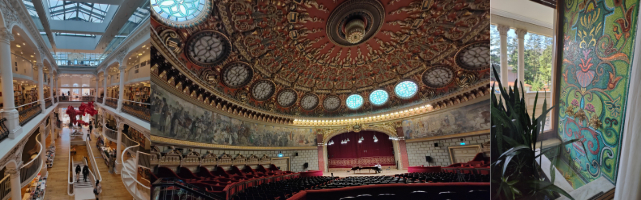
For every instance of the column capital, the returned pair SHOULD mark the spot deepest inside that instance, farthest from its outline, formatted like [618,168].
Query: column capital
[12,171]
[503,29]
[521,33]
[5,35]
[39,65]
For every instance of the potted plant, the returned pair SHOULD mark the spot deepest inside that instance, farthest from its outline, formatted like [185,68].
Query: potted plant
[515,172]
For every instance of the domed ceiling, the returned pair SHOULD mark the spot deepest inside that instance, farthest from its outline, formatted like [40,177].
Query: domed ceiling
[329,57]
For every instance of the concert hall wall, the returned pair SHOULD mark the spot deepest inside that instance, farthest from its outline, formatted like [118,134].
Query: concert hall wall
[469,118]
[173,117]
[368,153]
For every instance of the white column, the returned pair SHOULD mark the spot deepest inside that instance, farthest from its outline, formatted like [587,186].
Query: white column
[15,182]
[521,35]
[41,79]
[121,88]
[43,141]
[51,85]
[9,110]
[121,125]
[504,71]
[104,87]
[95,93]
[629,177]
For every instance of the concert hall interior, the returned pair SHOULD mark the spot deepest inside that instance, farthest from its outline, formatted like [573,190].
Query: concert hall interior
[320,99]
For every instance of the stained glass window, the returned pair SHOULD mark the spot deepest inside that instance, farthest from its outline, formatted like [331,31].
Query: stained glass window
[378,97]
[354,101]
[406,89]
[178,10]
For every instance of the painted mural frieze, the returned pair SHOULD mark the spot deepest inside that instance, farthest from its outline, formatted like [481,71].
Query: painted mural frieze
[173,117]
[598,45]
[469,118]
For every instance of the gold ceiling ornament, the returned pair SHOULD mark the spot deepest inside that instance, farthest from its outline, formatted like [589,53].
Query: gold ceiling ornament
[465,79]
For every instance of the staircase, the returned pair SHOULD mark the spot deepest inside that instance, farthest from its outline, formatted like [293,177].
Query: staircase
[82,190]
[128,171]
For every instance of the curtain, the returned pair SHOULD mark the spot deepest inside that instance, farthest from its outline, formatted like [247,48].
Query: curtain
[365,154]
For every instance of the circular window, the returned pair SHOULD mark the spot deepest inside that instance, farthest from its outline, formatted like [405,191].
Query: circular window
[354,101]
[287,98]
[237,74]
[437,77]
[208,48]
[378,97]
[263,90]
[309,101]
[474,56]
[331,103]
[406,89]
[180,13]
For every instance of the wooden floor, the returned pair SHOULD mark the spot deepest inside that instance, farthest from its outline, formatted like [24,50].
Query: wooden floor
[112,186]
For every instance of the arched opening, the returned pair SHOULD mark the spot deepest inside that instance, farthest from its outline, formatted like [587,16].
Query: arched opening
[364,148]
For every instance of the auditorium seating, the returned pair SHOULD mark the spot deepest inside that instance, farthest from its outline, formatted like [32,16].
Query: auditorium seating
[281,189]
[362,180]
[431,191]
[435,177]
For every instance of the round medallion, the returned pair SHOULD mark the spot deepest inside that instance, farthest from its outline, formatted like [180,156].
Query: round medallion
[208,48]
[474,56]
[237,74]
[309,101]
[180,13]
[406,89]
[354,101]
[331,103]
[263,89]
[354,22]
[438,77]
[287,98]
[378,97]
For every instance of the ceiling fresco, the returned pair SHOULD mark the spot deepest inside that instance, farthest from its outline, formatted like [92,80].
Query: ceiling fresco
[306,57]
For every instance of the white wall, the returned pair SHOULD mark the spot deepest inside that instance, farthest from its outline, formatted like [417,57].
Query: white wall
[416,151]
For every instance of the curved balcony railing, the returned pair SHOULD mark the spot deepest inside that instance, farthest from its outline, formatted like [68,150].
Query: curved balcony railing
[4,131]
[5,187]
[111,102]
[144,159]
[76,98]
[128,142]
[28,111]
[111,134]
[48,102]
[29,170]
[137,109]
[173,188]
[141,190]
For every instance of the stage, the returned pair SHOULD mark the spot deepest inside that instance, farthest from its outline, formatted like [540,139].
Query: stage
[340,172]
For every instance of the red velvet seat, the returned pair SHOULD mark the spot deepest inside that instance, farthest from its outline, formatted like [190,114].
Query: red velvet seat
[186,173]
[204,172]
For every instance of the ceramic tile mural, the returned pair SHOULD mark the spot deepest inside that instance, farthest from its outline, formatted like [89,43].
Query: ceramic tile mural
[597,54]
[175,118]
[470,118]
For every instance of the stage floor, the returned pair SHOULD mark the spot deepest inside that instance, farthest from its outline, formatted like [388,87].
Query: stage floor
[344,173]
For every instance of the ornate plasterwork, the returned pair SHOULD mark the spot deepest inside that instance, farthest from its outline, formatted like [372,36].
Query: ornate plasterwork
[387,128]
[5,35]
[286,42]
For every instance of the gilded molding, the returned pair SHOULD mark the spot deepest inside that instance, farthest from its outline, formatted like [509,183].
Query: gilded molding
[157,140]
[473,133]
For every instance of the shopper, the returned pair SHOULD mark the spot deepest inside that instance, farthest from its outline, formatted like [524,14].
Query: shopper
[85,172]
[78,173]
[98,189]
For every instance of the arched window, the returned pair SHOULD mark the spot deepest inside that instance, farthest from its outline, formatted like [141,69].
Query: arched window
[75,85]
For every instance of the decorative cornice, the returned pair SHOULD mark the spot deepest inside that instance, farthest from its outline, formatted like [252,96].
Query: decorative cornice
[169,141]
[481,132]
[15,13]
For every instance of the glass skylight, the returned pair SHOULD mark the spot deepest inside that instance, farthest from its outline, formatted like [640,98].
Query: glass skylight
[406,89]
[178,10]
[378,97]
[77,11]
[354,101]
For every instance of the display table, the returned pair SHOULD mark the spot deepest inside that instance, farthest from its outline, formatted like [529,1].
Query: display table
[105,155]
[37,188]
[51,154]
